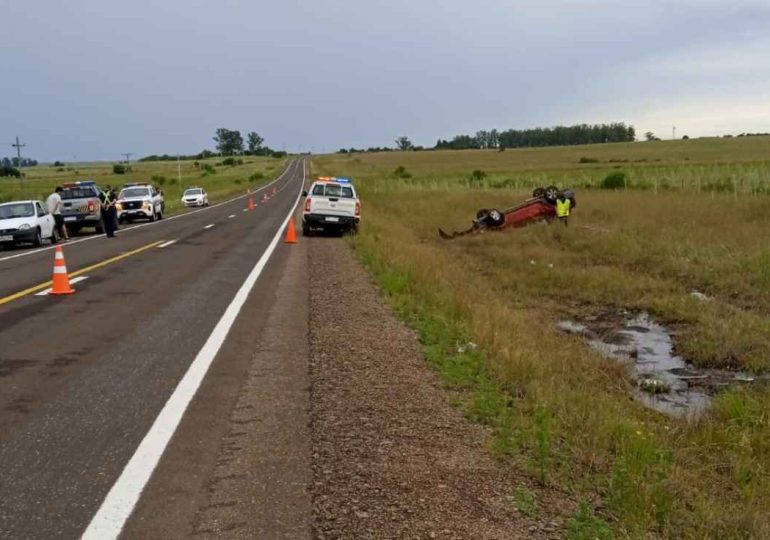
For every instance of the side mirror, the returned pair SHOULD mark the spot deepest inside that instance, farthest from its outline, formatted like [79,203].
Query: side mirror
[304,193]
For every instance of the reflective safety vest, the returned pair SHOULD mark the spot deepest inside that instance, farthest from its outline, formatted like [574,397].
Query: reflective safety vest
[562,207]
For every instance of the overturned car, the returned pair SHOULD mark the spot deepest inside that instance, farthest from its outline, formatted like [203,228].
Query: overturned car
[541,207]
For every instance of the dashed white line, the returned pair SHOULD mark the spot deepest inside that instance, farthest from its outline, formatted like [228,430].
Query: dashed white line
[72,282]
[122,497]
[208,226]
[166,244]
[245,209]
[231,216]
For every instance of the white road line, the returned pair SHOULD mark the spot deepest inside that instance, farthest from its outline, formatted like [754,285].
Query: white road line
[120,501]
[72,282]
[166,244]
[231,216]
[139,226]
[208,226]
[245,209]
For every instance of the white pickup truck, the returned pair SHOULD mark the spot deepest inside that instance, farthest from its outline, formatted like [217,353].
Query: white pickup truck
[331,205]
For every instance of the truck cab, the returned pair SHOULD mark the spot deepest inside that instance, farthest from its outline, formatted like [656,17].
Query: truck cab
[331,205]
[140,201]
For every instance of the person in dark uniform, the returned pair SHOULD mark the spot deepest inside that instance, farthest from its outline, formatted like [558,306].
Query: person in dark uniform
[109,211]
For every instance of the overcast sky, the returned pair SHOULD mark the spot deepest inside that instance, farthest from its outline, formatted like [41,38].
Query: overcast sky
[90,79]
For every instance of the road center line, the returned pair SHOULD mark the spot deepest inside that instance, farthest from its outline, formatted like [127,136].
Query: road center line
[208,226]
[121,499]
[166,244]
[82,271]
[231,216]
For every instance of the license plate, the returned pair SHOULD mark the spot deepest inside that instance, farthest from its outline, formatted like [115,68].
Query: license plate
[6,238]
[332,219]
[71,218]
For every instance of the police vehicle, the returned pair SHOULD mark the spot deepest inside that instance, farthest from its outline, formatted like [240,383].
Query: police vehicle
[81,206]
[331,205]
[140,201]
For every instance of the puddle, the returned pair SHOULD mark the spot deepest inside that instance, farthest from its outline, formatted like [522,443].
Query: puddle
[665,381]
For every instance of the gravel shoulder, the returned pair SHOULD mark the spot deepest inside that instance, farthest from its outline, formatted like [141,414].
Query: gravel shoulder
[392,458]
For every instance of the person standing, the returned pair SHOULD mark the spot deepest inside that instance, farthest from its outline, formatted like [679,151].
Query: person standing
[563,205]
[53,202]
[109,211]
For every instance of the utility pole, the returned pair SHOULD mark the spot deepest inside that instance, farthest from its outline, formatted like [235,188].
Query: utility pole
[18,147]
[179,169]
[128,158]
[673,130]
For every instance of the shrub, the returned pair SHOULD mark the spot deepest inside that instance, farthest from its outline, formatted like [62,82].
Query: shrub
[60,169]
[159,179]
[57,164]
[477,178]
[208,169]
[118,168]
[256,177]
[197,164]
[614,180]
[7,170]
[401,172]
[588,160]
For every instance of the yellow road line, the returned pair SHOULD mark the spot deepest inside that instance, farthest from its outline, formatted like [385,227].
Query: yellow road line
[80,272]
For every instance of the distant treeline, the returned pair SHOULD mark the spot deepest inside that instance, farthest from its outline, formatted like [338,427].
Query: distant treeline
[554,136]
[14,162]
[209,154]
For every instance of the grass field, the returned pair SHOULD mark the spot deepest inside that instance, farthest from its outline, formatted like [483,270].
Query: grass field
[557,407]
[40,181]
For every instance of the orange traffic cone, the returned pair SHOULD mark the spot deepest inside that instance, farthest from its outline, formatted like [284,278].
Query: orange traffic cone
[61,280]
[291,234]
[251,202]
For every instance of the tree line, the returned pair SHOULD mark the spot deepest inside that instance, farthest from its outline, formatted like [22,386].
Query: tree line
[230,142]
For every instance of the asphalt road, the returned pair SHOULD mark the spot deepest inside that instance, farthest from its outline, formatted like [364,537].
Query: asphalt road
[84,377]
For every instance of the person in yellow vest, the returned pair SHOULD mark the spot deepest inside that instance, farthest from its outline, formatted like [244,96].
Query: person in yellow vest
[563,205]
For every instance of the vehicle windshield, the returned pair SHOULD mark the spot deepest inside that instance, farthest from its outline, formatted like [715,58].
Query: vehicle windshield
[333,190]
[192,192]
[78,193]
[16,210]
[134,192]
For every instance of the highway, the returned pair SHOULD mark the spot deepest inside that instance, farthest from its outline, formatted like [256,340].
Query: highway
[86,379]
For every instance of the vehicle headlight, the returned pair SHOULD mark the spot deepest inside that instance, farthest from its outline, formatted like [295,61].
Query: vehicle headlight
[119,206]
[24,226]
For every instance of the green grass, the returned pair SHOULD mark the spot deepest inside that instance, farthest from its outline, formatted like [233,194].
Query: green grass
[557,408]
[225,181]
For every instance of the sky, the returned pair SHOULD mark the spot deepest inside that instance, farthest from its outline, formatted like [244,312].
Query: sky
[89,80]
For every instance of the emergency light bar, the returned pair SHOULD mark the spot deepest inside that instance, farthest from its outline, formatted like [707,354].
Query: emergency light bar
[78,184]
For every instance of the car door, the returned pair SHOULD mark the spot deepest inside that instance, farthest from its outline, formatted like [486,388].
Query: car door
[44,220]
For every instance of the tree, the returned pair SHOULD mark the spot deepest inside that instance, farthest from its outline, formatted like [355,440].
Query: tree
[403,143]
[650,136]
[254,142]
[228,141]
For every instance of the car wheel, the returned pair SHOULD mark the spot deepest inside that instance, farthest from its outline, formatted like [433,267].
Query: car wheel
[38,241]
[538,192]
[55,236]
[153,216]
[160,213]
[551,194]
[305,230]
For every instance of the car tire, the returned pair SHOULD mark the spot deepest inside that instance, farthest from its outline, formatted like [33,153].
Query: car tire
[38,241]
[55,239]
[153,216]
[305,230]
[160,214]
[538,192]
[551,194]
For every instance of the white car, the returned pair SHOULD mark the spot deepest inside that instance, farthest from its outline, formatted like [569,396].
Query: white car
[26,222]
[195,196]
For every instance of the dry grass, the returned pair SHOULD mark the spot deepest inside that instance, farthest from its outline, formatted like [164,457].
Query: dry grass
[567,413]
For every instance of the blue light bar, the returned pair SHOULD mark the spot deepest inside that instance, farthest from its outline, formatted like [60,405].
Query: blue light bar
[342,180]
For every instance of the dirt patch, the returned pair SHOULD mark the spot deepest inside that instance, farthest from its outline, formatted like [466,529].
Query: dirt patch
[391,457]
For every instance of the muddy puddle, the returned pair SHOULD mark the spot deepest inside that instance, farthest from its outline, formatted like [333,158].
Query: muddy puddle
[665,381]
